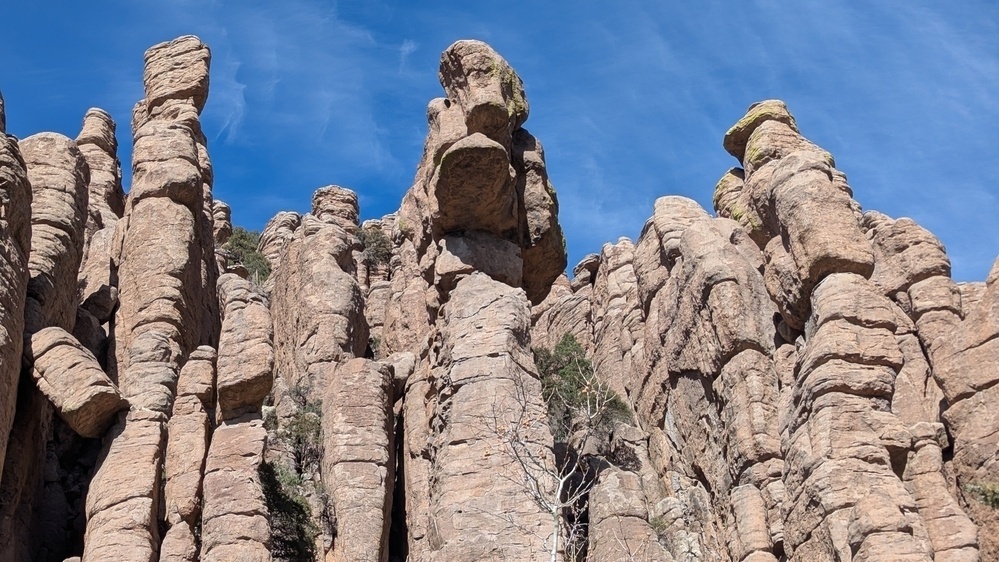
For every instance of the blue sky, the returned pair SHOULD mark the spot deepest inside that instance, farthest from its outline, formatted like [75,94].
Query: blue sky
[630,99]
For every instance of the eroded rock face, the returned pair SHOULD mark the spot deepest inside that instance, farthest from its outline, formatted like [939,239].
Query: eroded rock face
[359,458]
[476,239]
[189,430]
[59,177]
[800,380]
[482,175]
[15,241]
[964,364]
[164,254]
[246,348]
[99,147]
[276,234]
[617,328]
[58,209]
[709,336]
[619,527]
[482,381]
[773,382]
[70,377]
[234,523]
[316,302]
[124,494]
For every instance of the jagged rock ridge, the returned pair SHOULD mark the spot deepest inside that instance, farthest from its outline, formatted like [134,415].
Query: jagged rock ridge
[798,379]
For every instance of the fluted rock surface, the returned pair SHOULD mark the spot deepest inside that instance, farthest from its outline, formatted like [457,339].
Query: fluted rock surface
[15,240]
[234,523]
[246,348]
[359,458]
[479,224]
[189,431]
[792,379]
[484,386]
[58,176]
[316,302]
[166,295]
[70,377]
[99,147]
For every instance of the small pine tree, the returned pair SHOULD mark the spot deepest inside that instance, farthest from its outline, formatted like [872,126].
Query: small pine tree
[377,246]
[575,398]
[242,246]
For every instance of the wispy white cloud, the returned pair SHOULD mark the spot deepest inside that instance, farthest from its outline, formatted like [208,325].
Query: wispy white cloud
[407,48]
[630,105]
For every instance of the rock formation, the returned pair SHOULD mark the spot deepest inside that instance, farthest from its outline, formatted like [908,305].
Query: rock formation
[793,378]
[158,252]
[15,244]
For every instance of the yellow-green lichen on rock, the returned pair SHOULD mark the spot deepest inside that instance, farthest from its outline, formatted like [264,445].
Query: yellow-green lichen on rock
[737,137]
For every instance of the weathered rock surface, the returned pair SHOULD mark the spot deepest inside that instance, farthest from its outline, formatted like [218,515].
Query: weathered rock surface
[798,379]
[235,525]
[277,232]
[965,365]
[59,177]
[484,385]
[359,458]
[316,303]
[617,329]
[124,495]
[246,348]
[99,147]
[15,244]
[619,528]
[70,377]
[188,433]
[164,254]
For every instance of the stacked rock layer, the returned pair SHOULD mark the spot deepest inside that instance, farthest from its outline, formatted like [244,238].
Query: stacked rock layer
[796,379]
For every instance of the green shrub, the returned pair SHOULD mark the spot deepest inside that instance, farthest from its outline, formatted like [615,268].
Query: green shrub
[377,246]
[985,492]
[575,398]
[292,530]
[242,245]
[659,525]
[304,433]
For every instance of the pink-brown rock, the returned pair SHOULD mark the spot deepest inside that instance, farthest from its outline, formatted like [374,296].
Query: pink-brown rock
[123,499]
[489,92]
[235,525]
[359,459]
[59,177]
[177,70]
[768,110]
[246,348]
[99,147]
[15,244]
[542,240]
[71,378]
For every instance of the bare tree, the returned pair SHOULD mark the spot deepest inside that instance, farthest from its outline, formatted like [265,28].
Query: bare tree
[559,484]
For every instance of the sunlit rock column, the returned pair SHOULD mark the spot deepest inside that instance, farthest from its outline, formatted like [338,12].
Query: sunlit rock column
[235,521]
[478,225]
[15,240]
[358,464]
[708,396]
[98,291]
[159,253]
[58,175]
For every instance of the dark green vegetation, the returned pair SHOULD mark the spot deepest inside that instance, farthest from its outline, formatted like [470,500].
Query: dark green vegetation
[287,486]
[242,246]
[986,492]
[292,529]
[377,246]
[576,399]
